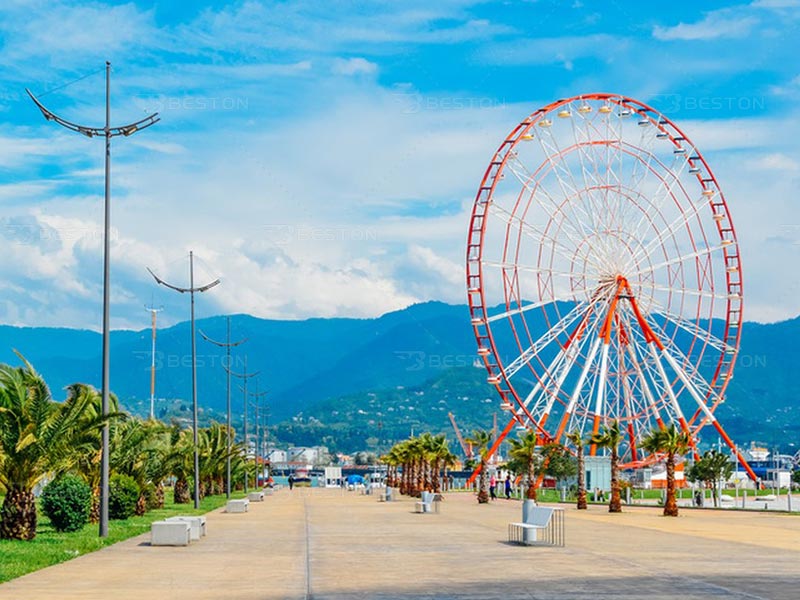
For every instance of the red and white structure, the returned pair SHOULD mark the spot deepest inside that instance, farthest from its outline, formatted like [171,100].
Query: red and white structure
[603,275]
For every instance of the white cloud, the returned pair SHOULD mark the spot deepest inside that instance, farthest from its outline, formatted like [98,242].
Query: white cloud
[714,25]
[354,66]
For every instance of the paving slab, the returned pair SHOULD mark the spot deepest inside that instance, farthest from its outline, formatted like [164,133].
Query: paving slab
[332,544]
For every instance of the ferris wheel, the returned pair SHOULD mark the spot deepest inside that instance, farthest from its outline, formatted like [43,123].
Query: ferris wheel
[603,275]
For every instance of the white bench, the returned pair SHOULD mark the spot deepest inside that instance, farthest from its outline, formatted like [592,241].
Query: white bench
[255,496]
[197,525]
[170,533]
[237,506]
[429,502]
[544,526]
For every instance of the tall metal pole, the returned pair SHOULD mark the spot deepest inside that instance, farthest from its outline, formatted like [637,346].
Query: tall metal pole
[153,312]
[104,460]
[191,289]
[244,376]
[258,441]
[227,345]
[107,132]
[194,388]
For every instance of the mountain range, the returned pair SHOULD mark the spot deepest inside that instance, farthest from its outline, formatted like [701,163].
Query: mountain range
[325,369]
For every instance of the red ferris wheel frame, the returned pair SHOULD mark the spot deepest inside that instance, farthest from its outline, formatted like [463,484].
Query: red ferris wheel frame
[500,372]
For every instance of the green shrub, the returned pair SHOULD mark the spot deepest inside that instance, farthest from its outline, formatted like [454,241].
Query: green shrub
[67,501]
[123,493]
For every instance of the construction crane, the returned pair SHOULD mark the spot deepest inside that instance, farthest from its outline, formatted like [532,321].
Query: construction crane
[467,448]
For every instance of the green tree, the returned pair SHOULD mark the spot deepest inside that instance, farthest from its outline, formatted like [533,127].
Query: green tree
[610,437]
[672,442]
[559,463]
[576,437]
[526,459]
[38,437]
[480,443]
[712,468]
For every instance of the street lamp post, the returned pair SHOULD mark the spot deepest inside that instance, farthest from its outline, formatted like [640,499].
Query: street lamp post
[191,289]
[257,395]
[244,377]
[107,132]
[227,345]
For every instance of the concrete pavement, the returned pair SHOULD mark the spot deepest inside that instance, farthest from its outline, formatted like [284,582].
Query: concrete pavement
[331,544]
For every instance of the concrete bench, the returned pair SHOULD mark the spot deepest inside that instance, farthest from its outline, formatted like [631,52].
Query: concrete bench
[540,527]
[429,502]
[197,525]
[255,496]
[237,506]
[170,533]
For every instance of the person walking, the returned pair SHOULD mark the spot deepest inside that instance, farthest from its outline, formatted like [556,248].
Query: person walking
[508,487]
[493,487]
[291,482]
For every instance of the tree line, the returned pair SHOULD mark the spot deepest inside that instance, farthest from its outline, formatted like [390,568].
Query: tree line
[43,440]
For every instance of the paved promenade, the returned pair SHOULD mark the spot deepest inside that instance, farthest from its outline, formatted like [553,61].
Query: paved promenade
[330,544]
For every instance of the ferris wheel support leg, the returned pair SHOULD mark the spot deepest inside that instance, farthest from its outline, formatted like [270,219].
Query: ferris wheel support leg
[494,448]
[707,411]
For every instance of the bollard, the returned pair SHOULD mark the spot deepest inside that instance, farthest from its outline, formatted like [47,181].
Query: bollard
[628,496]
[744,497]
[789,499]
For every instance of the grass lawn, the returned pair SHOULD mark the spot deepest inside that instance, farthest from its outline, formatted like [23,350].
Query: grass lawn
[49,547]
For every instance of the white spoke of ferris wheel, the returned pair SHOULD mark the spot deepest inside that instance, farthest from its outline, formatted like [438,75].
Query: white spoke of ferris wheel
[557,169]
[601,387]
[549,336]
[644,386]
[523,309]
[690,327]
[570,356]
[580,142]
[589,156]
[584,372]
[676,407]
[579,192]
[647,150]
[688,292]
[508,266]
[532,232]
[689,386]
[514,164]
[663,193]
[683,217]
[699,382]
[675,261]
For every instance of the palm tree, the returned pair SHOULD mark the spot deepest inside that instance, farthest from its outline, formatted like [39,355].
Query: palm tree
[180,459]
[480,442]
[610,437]
[672,442]
[38,438]
[87,465]
[139,449]
[576,437]
[523,451]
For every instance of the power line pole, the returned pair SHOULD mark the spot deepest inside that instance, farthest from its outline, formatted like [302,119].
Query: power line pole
[227,345]
[107,132]
[191,289]
[153,312]
[244,377]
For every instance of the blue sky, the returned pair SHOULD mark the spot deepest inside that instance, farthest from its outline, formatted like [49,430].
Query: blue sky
[322,158]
